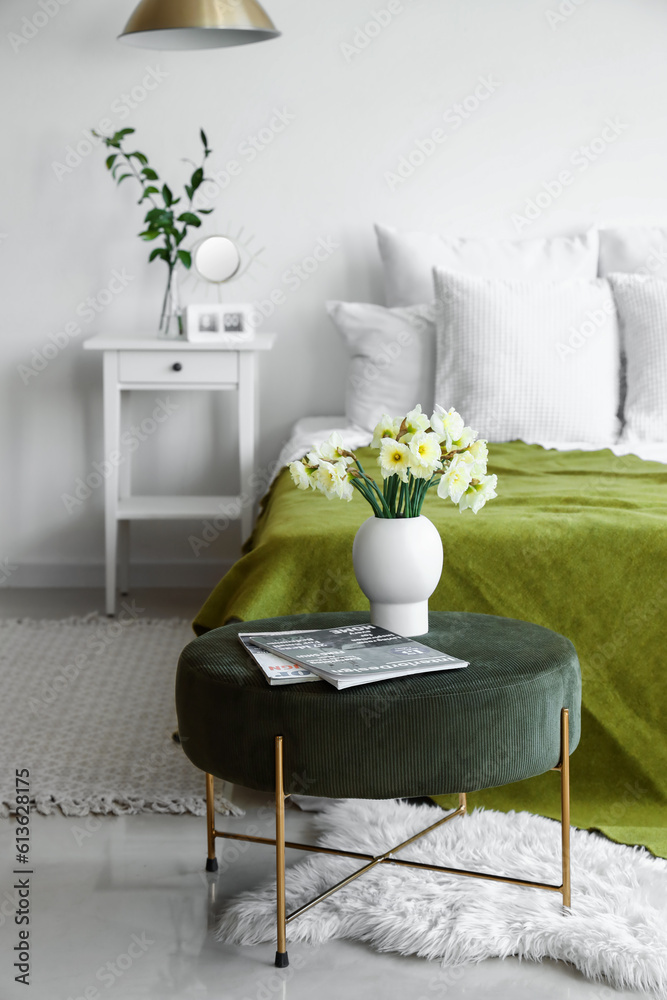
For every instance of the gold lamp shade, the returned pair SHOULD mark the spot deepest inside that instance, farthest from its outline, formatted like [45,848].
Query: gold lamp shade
[197,24]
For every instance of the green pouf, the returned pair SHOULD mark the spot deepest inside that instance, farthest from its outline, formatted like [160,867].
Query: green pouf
[495,722]
[624,808]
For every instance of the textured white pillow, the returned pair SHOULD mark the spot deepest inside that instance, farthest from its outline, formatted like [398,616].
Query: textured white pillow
[642,308]
[532,360]
[409,259]
[392,359]
[634,250]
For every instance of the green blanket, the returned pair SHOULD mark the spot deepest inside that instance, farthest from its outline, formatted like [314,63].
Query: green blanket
[576,541]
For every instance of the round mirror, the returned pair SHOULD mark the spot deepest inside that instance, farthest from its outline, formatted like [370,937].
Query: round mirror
[216,259]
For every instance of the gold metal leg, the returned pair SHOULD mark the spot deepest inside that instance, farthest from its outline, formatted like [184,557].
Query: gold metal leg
[565,801]
[211,860]
[282,960]
[379,859]
[283,918]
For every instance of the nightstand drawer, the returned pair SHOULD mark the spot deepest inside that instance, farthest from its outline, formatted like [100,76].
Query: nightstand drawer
[172,367]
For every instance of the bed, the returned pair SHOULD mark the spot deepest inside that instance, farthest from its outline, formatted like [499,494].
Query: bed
[556,350]
[575,541]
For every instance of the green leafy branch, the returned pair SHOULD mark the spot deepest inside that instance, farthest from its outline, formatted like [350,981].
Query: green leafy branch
[163,219]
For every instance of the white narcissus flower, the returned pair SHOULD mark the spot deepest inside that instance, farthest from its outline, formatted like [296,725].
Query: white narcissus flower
[480,454]
[330,449]
[467,438]
[424,454]
[325,479]
[332,480]
[300,477]
[456,480]
[386,428]
[415,421]
[447,423]
[476,496]
[394,459]
[345,488]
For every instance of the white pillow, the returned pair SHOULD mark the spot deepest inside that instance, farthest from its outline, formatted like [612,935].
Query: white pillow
[532,360]
[409,259]
[392,359]
[641,301]
[634,250]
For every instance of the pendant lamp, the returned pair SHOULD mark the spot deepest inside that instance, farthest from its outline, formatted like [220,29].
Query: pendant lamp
[197,24]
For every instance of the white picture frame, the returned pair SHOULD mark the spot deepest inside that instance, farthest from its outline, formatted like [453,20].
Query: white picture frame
[218,323]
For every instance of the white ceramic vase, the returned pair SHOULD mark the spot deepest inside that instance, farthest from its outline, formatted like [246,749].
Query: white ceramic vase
[398,562]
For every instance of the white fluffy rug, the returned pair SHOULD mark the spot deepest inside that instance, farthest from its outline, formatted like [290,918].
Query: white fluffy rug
[88,706]
[616,930]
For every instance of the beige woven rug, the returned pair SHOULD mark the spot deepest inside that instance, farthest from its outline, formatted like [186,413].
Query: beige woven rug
[87,705]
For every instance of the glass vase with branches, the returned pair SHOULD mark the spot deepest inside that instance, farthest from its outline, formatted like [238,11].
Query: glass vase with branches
[163,220]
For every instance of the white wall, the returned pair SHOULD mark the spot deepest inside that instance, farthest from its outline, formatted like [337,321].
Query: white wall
[355,114]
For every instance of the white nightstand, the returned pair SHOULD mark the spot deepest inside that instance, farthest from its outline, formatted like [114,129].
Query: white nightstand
[149,363]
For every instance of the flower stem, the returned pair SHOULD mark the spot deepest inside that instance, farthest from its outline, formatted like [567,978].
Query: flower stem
[390,490]
[406,497]
[166,297]
[361,486]
[373,486]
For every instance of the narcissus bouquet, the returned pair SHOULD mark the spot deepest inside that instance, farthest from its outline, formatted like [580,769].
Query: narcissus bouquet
[416,454]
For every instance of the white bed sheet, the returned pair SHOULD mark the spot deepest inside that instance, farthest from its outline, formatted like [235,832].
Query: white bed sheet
[313,430]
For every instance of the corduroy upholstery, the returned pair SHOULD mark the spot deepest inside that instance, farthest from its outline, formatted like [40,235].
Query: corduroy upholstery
[494,722]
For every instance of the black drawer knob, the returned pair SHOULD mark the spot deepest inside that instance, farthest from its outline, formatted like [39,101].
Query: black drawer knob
[177,366]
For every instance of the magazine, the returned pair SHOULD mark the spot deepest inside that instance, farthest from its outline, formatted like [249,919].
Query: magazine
[355,654]
[276,669]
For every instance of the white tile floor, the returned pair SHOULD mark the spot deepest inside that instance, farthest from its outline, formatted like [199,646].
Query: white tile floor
[104,888]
